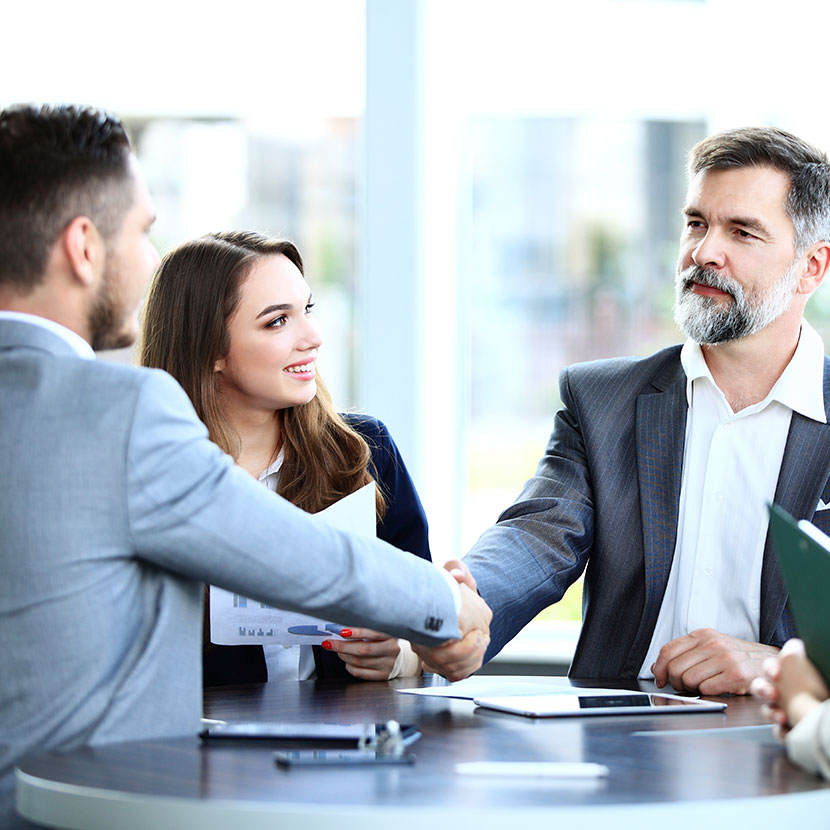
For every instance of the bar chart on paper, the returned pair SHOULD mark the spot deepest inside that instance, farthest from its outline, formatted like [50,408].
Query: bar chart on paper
[237,619]
[240,601]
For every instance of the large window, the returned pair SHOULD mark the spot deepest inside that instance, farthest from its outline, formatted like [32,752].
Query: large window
[483,191]
[553,139]
[573,224]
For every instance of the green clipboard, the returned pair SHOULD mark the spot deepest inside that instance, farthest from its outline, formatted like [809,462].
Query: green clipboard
[804,556]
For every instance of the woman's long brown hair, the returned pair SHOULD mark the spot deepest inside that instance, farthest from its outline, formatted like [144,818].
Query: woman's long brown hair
[193,294]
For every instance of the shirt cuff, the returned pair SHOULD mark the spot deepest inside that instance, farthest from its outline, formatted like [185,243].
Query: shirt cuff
[808,742]
[456,591]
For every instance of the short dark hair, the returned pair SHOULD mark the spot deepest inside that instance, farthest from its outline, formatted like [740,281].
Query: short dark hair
[808,202]
[57,163]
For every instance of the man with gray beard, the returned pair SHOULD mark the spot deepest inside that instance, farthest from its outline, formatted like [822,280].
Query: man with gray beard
[708,322]
[659,470]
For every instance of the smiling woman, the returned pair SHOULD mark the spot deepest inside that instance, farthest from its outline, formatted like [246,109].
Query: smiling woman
[269,364]
[230,317]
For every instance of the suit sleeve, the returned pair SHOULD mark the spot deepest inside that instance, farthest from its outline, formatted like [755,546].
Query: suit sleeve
[541,543]
[192,511]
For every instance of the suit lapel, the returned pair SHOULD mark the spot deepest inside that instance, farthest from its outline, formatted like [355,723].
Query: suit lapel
[661,430]
[801,483]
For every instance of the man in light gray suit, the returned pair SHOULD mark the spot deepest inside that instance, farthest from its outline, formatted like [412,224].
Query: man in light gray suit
[115,508]
[658,472]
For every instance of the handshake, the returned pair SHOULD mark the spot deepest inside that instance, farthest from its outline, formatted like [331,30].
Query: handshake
[456,659]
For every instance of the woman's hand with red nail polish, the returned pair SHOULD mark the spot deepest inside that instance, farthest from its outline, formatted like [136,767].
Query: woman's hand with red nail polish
[372,655]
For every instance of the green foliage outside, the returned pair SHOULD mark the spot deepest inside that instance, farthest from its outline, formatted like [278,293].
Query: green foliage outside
[508,466]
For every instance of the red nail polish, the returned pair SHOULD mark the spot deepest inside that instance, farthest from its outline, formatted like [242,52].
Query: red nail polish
[326,644]
[345,632]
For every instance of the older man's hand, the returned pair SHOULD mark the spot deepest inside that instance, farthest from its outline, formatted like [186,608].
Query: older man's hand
[708,662]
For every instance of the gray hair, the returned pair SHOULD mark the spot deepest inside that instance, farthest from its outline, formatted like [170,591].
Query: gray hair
[808,202]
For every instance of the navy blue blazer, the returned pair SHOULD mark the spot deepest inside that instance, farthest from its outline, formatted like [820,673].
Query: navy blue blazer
[404,525]
[605,499]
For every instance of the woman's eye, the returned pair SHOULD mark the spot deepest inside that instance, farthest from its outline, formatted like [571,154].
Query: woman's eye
[278,323]
[308,307]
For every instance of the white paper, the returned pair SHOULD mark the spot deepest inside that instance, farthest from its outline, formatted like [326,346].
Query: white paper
[488,685]
[237,620]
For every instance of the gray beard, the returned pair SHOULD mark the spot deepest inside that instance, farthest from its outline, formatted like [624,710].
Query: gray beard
[709,321]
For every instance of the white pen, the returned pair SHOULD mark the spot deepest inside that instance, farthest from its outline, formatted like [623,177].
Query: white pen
[533,769]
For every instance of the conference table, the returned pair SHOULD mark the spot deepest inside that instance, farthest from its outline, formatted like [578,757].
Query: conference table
[682,770]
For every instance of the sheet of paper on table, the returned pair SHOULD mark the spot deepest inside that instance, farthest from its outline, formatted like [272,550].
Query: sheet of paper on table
[496,685]
[239,620]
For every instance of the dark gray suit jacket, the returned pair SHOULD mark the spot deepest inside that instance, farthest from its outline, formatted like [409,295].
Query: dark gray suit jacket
[605,499]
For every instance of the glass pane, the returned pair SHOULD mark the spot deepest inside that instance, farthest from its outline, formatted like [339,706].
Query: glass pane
[573,227]
[216,174]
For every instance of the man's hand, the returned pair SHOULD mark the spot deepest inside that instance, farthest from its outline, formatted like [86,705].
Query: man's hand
[710,663]
[791,687]
[458,659]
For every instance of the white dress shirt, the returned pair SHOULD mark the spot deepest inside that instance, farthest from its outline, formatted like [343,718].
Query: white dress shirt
[286,662]
[730,472]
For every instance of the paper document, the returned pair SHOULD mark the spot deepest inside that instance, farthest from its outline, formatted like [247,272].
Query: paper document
[493,685]
[237,620]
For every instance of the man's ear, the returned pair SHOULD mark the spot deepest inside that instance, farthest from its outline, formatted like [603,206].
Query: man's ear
[815,268]
[84,249]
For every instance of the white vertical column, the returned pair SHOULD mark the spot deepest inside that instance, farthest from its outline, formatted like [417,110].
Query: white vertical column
[390,313]
[409,330]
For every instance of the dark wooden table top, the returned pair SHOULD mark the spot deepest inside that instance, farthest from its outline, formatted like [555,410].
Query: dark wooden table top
[653,760]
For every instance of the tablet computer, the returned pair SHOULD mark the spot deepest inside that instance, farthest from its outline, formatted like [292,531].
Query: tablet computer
[804,556]
[582,702]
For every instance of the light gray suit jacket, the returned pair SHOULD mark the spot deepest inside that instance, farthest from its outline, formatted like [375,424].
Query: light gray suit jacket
[114,509]
[606,496]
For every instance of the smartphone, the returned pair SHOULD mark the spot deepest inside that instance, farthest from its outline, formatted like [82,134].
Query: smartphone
[338,758]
